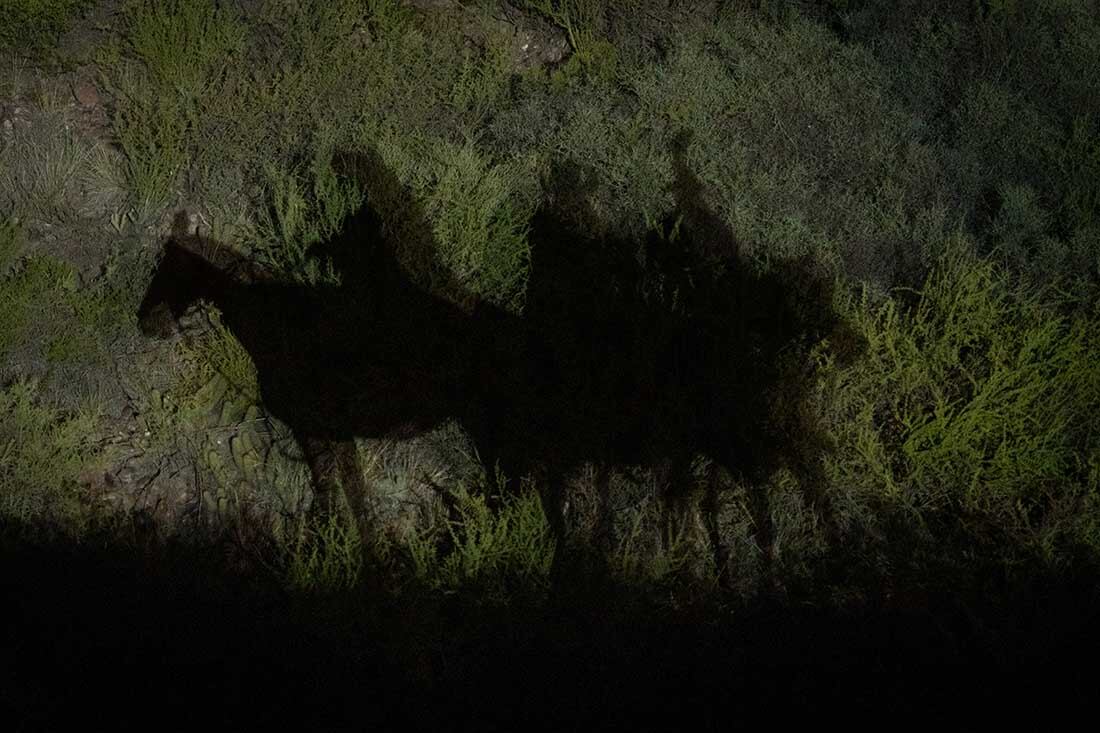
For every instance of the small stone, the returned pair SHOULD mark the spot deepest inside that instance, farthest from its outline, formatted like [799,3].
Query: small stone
[86,94]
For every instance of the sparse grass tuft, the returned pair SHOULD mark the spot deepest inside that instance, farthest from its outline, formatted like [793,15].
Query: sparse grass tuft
[41,171]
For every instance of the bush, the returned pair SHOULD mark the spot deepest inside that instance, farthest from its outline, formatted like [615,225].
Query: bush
[324,558]
[306,208]
[1008,90]
[174,58]
[31,27]
[793,136]
[972,414]
[30,295]
[480,216]
[798,146]
[152,130]
[41,452]
[50,326]
[500,552]
[217,353]
[10,244]
[183,43]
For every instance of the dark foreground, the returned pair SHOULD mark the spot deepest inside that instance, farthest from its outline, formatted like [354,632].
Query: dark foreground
[172,639]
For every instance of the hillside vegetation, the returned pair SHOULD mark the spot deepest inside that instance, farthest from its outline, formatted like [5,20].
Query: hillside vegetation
[925,434]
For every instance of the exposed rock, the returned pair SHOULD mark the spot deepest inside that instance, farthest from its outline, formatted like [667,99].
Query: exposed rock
[537,43]
[530,41]
[86,94]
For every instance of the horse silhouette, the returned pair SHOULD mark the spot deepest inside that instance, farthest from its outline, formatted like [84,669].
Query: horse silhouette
[626,352]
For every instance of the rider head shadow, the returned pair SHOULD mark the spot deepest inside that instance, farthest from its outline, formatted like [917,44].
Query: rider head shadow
[632,352]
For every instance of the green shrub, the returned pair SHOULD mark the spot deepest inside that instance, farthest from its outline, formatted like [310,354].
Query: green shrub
[251,117]
[41,452]
[174,58]
[185,44]
[31,27]
[481,86]
[218,353]
[1009,94]
[305,209]
[658,549]
[10,244]
[45,313]
[31,295]
[798,145]
[972,412]
[152,130]
[624,166]
[497,552]
[480,216]
[457,216]
[1077,169]
[326,557]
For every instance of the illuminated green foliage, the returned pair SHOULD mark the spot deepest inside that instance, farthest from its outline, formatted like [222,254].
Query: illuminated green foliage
[976,406]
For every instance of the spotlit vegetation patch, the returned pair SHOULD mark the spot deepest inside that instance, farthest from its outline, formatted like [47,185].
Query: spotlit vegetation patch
[46,315]
[481,212]
[305,208]
[42,450]
[498,546]
[325,556]
[858,135]
[52,175]
[974,408]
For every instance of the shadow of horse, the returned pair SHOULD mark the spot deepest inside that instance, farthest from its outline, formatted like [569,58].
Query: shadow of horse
[626,353]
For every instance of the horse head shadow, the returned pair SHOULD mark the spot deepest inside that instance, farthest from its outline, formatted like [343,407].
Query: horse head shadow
[626,352]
